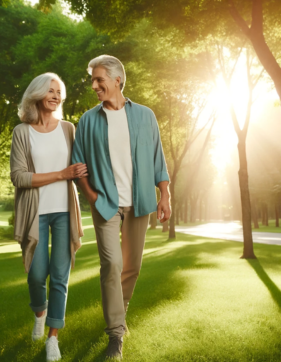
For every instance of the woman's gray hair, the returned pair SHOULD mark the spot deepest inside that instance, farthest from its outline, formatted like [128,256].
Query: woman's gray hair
[114,68]
[35,92]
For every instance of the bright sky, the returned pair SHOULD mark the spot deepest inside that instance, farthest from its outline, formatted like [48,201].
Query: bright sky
[66,10]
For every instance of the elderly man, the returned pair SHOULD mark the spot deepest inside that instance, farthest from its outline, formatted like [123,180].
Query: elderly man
[120,143]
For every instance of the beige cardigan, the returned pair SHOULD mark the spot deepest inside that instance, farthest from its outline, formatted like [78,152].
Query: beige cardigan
[26,228]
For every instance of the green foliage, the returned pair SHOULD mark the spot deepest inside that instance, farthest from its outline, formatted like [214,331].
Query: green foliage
[195,19]
[84,204]
[17,21]
[7,204]
[7,233]
[6,187]
[11,219]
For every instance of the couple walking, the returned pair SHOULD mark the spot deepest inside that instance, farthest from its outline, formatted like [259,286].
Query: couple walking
[116,158]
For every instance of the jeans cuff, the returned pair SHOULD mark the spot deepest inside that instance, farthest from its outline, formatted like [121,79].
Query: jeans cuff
[54,323]
[39,309]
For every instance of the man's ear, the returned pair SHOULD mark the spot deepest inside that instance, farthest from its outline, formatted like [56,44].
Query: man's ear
[118,81]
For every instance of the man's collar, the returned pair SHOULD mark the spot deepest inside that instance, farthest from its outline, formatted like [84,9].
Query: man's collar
[100,106]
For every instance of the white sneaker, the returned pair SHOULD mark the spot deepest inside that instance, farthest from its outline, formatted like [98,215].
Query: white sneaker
[52,349]
[39,327]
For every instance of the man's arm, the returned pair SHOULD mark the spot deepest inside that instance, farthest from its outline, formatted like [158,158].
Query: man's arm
[164,206]
[161,174]
[87,190]
[79,155]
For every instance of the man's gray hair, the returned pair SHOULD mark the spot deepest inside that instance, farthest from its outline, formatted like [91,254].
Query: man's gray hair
[37,90]
[114,68]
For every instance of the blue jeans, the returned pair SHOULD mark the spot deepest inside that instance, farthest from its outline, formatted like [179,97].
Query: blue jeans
[57,266]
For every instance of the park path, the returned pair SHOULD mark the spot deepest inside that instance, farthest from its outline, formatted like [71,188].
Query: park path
[218,230]
[229,231]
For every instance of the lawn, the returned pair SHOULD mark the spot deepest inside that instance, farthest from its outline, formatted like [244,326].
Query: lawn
[195,300]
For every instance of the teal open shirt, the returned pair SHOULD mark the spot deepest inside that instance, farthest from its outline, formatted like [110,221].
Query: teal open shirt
[149,166]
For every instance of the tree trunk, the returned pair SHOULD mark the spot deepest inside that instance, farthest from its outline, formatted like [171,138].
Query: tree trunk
[177,216]
[200,209]
[181,213]
[255,215]
[153,220]
[263,213]
[185,213]
[266,214]
[276,215]
[165,227]
[206,216]
[248,251]
[172,231]
[193,209]
[267,59]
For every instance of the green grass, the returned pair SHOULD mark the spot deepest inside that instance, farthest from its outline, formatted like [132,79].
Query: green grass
[195,300]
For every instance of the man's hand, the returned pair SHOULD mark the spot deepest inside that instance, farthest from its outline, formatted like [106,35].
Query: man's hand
[164,207]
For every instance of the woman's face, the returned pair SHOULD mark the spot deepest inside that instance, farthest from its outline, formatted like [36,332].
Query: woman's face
[53,98]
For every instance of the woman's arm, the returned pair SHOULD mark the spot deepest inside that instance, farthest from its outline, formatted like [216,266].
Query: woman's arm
[74,171]
[20,175]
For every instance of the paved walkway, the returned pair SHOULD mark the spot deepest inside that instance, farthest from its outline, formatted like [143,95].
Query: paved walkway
[218,230]
[229,231]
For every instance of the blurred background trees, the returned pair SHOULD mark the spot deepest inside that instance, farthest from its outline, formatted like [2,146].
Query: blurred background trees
[185,60]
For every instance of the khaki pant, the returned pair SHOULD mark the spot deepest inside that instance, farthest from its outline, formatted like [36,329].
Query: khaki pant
[120,266]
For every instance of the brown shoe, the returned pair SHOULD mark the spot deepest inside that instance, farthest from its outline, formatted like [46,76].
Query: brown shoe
[114,348]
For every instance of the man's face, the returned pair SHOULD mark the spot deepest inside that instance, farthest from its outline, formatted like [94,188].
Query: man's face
[105,87]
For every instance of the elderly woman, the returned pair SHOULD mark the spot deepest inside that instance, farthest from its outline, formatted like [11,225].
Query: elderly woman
[46,197]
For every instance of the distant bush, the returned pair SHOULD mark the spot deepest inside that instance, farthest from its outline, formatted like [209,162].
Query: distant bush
[7,232]
[84,204]
[11,219]
[7,204]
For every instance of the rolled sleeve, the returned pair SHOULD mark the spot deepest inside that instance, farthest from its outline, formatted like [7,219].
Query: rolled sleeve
[161,176]
[78,152]
[20,176]
[160,167]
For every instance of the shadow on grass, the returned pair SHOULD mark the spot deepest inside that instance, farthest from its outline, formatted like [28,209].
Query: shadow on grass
[163,278]
[161,281]
[270,285]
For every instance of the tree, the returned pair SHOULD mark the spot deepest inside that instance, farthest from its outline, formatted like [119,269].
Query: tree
[255,33]
[197,19]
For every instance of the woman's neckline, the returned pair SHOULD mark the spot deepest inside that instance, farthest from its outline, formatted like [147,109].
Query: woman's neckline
[45,132]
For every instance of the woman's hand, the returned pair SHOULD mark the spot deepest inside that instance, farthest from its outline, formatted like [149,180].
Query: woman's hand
[78,170]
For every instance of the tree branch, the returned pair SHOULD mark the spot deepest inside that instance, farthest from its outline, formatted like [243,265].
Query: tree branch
[238,18]
[257,18]
[250,99]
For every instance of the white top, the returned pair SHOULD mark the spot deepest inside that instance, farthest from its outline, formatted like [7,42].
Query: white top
[120,154]
[49,153]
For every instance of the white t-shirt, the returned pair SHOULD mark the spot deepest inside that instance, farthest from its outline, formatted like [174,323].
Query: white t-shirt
[120,154]
[49,153]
